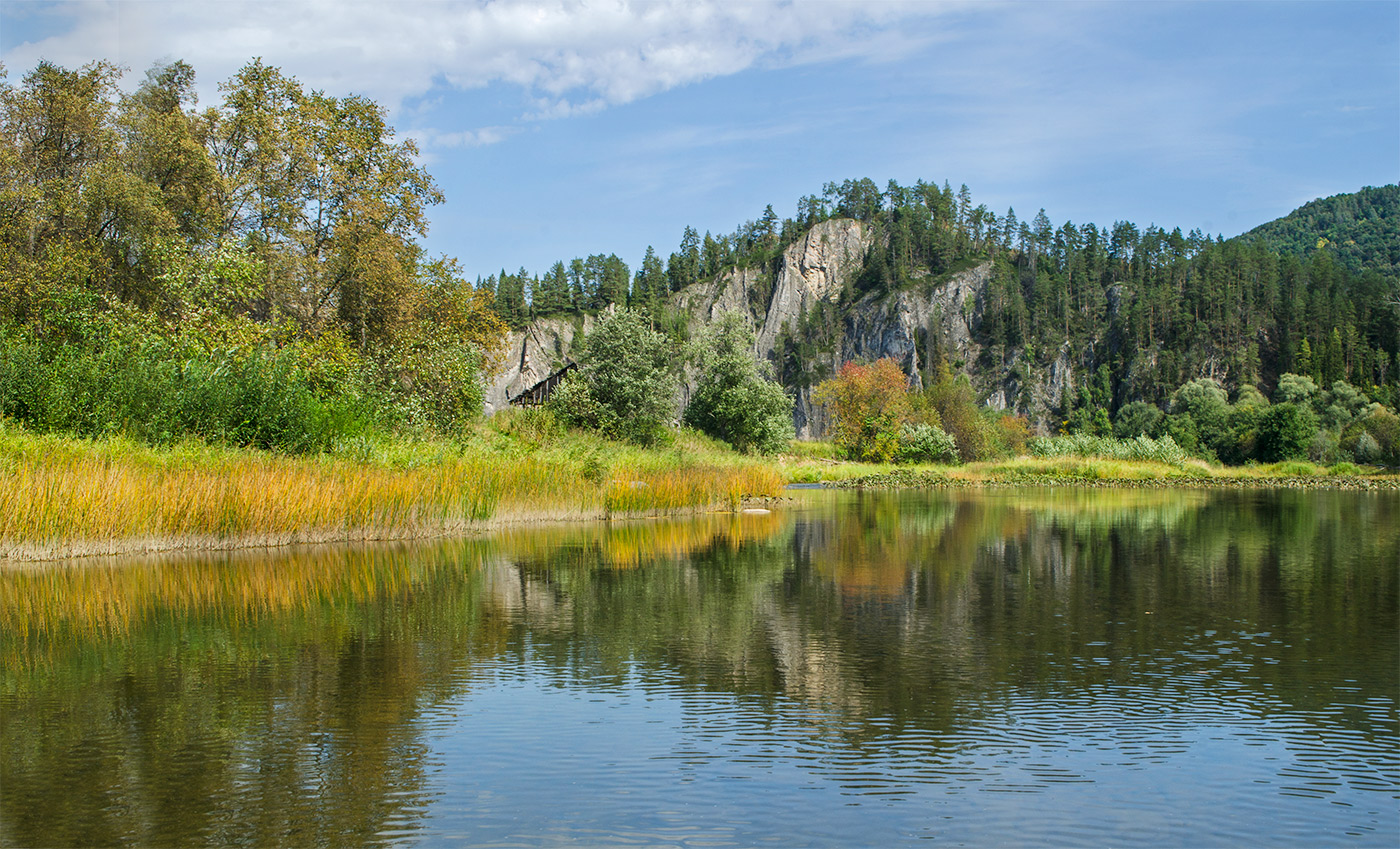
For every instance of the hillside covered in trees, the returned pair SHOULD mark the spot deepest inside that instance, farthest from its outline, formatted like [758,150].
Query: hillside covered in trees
[1358,228]
[250,272]
[1153,307]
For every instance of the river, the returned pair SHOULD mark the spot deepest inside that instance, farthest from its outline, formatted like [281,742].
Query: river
[1116,667]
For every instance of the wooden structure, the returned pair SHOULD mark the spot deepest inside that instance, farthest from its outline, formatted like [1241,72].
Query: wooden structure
[541,392]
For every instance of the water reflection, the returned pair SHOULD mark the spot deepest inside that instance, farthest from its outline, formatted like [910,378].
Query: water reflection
[1126,654]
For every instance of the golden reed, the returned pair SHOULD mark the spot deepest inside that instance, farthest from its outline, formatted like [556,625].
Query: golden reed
[65,497]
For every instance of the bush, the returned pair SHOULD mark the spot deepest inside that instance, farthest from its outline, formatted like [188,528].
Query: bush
[1286,432]
[573,405]
[1013,433]
[925,443]
[734,401]
[155,393]
[435,383]
[1140,448]
[954,400]
[628,370]
[1295,389]
[1374,438]
[869,405]
[1204,400]
[1367,449]
[1138,418]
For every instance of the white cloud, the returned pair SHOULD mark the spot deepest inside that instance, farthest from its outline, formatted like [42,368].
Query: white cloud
[570,55]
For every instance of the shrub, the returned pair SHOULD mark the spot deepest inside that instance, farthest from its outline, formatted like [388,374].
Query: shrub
[1014,433]
[869,405]
[734,401]
[155,393]
[1285,432]
[1138,418]
[1367,449]
[628,370]
[436,382]
[1323,446]
[926,443]
[1383,445]
[1295,389]
[574,405]
[1164,450]
[1204,400]
[955,402]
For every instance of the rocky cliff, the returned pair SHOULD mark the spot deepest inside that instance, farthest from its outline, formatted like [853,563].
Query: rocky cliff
[816,276]
[532,354]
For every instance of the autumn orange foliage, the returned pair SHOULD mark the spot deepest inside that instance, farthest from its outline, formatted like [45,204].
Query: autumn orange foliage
[868,404]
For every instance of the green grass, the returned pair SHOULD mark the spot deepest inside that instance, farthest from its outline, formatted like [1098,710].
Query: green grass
[65,495]
[71,495]
[1075,460]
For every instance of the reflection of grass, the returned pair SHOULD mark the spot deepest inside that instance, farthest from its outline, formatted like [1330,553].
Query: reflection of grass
[628,544]
[63,496]
[100,601]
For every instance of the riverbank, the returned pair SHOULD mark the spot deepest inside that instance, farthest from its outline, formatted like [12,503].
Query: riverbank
[1101,472]
[64,497]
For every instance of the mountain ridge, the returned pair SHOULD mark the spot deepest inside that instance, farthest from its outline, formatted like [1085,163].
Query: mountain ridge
[1045,323]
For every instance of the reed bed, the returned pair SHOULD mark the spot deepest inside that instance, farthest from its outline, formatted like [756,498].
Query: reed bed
[62,496]
[669,490]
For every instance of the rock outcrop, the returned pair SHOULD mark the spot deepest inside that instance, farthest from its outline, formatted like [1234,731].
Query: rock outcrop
[820,269]
[532,354]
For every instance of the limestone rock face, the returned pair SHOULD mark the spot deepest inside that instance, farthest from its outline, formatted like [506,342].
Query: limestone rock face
[532,354]
[815,268]
[820,268]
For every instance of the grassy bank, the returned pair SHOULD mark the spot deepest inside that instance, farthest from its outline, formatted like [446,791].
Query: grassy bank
[816,464]
[64,496]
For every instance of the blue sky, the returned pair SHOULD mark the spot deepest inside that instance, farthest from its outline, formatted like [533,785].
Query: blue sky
[562,129]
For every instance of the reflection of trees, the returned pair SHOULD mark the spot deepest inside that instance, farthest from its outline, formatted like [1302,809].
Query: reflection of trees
[275,701]
[908,605]
[228,701]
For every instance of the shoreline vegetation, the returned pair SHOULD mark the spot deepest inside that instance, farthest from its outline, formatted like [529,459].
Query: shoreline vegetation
[65,497]
[219,328]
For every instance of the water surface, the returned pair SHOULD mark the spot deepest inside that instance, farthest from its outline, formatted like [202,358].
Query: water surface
[1032,667]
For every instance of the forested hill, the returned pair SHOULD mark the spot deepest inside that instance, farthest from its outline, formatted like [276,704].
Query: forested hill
[1068,324]
[250,272]
[1361,228]
[1117,313]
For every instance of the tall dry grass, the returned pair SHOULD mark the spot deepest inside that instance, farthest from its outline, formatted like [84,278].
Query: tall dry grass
[70,496]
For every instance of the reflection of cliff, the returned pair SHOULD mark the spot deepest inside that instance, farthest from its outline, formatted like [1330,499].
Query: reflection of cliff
[908,604]
[284,701]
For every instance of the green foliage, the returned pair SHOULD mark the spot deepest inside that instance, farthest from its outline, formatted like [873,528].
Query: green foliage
[152,393]
[954,402]
[1286,432]
[926,443]
[246,273]
[734,401]
[1374,438]
[1362,228]
[573,405]
[630,378]
[1138,418]
[1295,389]
[1143,448]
